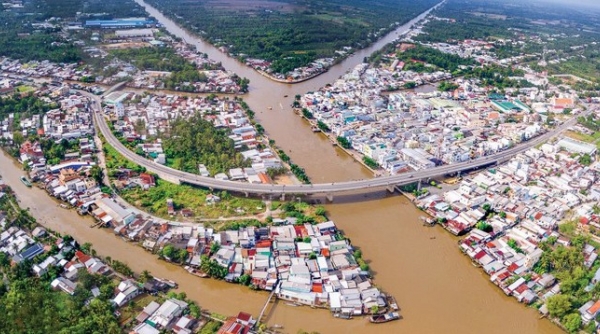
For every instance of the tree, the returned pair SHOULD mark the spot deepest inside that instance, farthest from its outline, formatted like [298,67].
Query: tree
[245,279]
[214,248]
[558,305]
[344,142]
[585,160]
[145,276]
[484,226]
[168,252]
[86,247]
[572,322]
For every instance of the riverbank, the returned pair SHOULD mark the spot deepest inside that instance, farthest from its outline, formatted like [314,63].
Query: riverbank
[293,81]
[334,142]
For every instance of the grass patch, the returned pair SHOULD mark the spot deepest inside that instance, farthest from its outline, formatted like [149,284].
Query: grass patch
[583,137]
[154,200]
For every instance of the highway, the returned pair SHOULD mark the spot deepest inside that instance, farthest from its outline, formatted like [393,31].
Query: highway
[309,189]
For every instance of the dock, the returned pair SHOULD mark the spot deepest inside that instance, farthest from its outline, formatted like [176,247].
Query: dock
[264,309]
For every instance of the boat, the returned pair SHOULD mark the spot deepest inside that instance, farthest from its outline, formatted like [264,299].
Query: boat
[25,181]
[392,303]
[292,304]
[285,96]
[277,326]
[195,272]
[379,319]
[346,316]
[63,205]
[270,108]
[168,282]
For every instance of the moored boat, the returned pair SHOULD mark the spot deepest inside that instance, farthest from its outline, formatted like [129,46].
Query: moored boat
[381,318]
[25,181]
[196,272]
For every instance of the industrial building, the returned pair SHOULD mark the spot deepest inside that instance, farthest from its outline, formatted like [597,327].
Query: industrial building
[133,22]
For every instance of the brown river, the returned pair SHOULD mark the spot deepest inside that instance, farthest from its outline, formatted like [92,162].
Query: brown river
[437,288]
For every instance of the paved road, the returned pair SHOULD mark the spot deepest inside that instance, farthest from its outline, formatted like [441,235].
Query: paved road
[308,189]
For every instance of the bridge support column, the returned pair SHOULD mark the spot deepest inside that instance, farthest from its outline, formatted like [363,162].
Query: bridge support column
[246,194]
[419,185]
[391,189]
[329,197]
[282,197]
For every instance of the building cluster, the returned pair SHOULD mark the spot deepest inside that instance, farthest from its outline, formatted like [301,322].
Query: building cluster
[15,69]
[68,263]
[403,130]
[303,264]
[508,210]
[156,112]
[315,68]
[216,80]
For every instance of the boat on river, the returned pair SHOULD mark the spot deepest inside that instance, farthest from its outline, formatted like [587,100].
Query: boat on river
[25,181]
[196,272]
[381,318]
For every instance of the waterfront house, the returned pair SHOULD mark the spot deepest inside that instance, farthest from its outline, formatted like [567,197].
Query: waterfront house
[166,313]
[127,290]
[589,311]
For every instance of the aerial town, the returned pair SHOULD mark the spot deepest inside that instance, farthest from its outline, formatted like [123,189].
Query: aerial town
[140,192]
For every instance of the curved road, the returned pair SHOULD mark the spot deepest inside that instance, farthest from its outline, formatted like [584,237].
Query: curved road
[309,189]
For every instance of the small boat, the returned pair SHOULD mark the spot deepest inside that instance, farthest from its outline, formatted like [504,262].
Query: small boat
[379,319]
[285,96]
[270,108]
[392,303]
[346,316]
[277,326]
[25,181]
[63,205]
[292,304]
[168,282]
[195,272]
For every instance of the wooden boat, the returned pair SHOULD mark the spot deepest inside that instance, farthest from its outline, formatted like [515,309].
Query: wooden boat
[381,318]
[25,181]
[195,272]
[346,316]
[392,303]
[285,96]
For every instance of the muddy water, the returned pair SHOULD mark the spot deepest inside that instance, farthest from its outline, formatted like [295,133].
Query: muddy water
[436,286]
[220,296]
[314,153]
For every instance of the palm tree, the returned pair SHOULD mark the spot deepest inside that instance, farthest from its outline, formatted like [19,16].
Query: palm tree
[145,276]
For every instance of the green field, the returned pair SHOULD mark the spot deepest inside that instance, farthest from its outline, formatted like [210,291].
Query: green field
[291,33]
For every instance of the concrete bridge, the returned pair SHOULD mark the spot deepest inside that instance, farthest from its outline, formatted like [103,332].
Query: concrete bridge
[328,189]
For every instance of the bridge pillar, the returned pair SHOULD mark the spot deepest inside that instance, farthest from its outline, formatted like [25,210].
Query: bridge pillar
[419,185]
[283,197]
[246,194]
[391,188]
[329,197]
